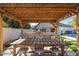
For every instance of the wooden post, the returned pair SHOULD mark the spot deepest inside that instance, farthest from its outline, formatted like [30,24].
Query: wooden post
[55,24]
[62,50]
[21,27]
[14,50]
[1,34]
[22,24]
[77,31]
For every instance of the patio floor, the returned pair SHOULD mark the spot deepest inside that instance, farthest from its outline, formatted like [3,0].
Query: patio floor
[8,52]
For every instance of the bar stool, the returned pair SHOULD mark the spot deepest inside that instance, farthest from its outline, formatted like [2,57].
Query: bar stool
[23,51]
[55,51]
[39,51]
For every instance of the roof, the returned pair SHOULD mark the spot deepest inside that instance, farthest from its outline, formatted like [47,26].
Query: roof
[49,25]
[64,25]
[44,25]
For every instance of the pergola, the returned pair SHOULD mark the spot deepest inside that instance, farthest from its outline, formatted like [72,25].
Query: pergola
[37,12]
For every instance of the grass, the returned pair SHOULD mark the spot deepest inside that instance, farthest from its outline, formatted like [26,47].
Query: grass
[71,43]
[72,47]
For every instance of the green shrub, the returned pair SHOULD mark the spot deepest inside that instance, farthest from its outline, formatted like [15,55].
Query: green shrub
[72,47]
[27,26]
[71,42]
[5,25]
[16,24]
[62,38]
[67,32]
[5,18]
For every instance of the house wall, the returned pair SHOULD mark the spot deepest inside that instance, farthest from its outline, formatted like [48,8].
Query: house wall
[12,34]
[63,29]
[47,29]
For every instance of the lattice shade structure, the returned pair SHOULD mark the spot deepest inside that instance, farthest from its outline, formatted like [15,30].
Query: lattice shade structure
[39,12]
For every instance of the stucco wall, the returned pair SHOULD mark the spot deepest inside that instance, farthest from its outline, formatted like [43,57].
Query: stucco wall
[12,34]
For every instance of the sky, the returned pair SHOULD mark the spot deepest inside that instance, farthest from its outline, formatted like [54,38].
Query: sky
[68,21]
[33,24]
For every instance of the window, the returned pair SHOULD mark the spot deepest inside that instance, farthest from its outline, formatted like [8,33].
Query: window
[52,30]
[43,30]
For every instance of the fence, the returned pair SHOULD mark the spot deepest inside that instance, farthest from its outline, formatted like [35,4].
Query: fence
[12,33]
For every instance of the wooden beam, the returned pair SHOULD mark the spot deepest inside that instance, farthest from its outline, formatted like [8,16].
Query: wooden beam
[55,24]
[13,16]
[21,5]
[21,24]
[26,10]
[37,19]
[1,34]
[39,14]
[78,31]
[37,11]
[6,13]
[69,14]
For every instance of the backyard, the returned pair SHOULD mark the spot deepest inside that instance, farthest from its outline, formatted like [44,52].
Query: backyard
[57,35]
[71,43]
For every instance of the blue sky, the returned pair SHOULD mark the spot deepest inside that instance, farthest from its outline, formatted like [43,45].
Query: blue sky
[68,21]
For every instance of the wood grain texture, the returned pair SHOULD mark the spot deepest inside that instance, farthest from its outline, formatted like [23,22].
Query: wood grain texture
[38,12]
[1,34]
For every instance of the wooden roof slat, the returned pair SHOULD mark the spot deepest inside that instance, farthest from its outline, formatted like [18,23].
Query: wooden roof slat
[39,15]
[41,9]
[37,5]
[39,18]
[42,12]
[37,10]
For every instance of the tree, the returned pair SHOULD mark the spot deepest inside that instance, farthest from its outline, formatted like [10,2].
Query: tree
[10,23]
[27,26]
[5,24]
[5,18]
[13,23]
[16,24]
